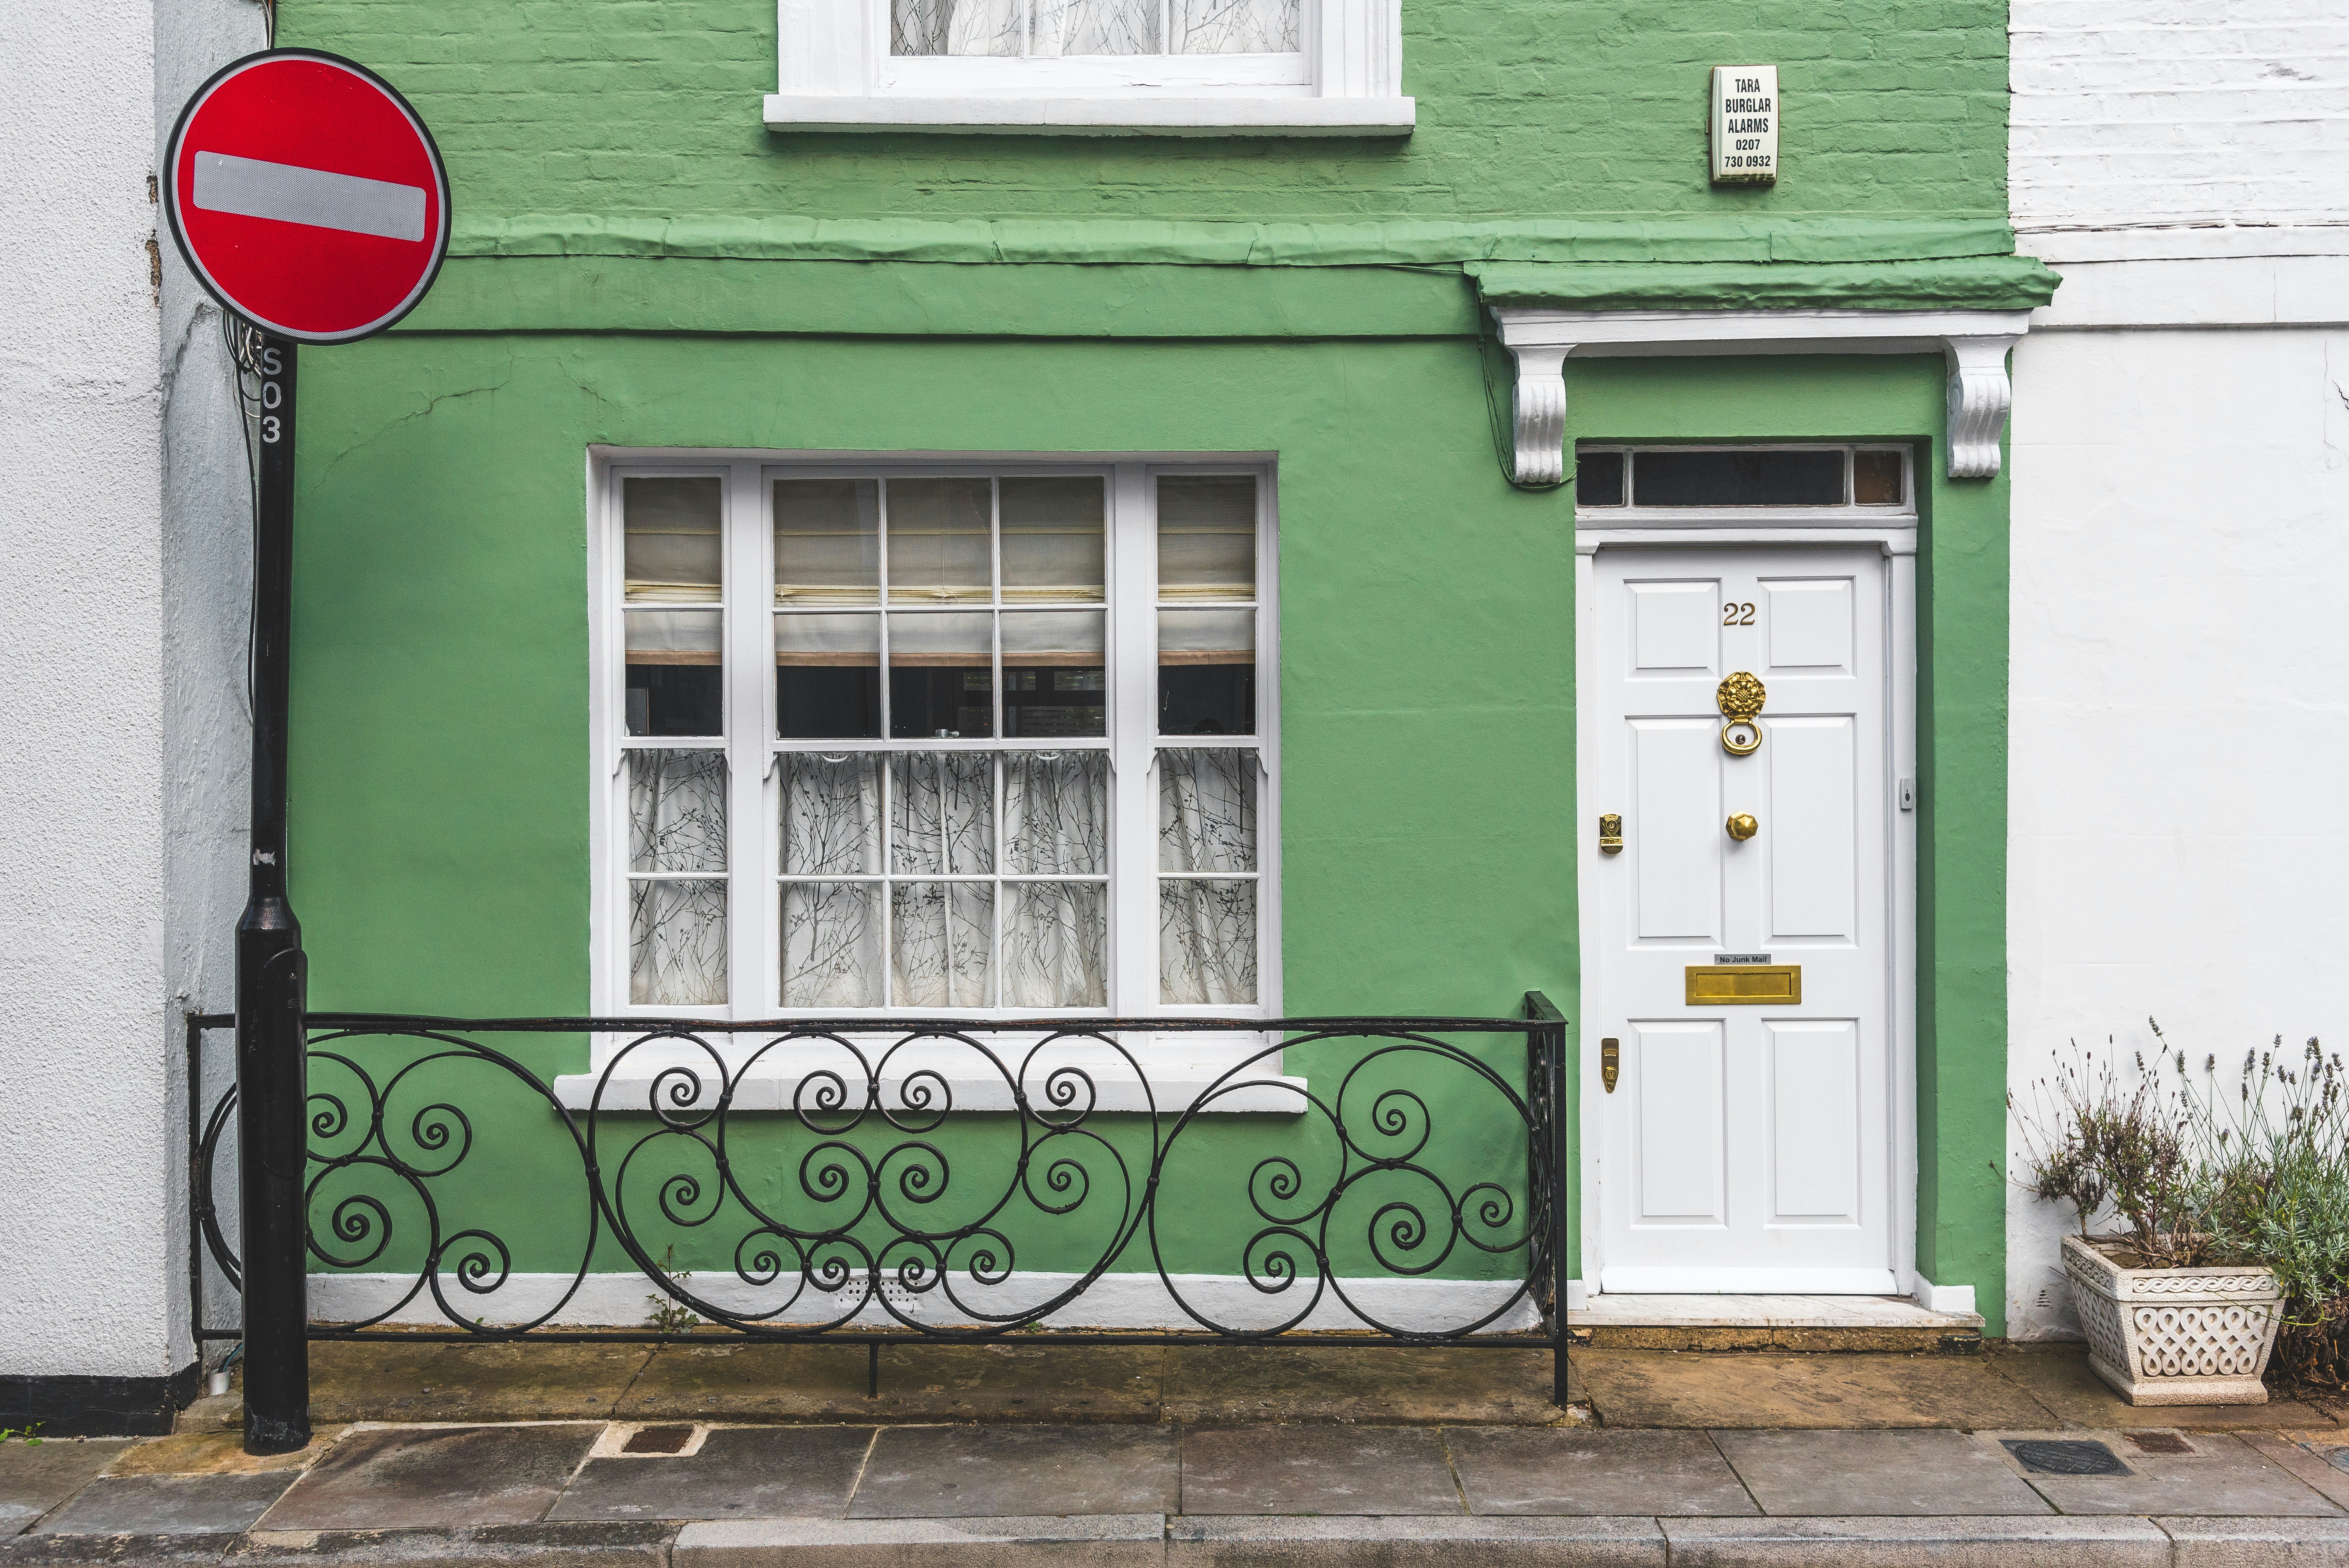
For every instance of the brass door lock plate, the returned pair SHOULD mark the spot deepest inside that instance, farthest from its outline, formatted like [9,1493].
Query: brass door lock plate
[1610,834]
[1610,1061]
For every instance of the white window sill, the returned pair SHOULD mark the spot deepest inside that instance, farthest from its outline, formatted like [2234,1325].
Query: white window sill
[1122,115]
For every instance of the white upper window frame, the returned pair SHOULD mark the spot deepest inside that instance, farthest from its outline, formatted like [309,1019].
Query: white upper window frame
[835,73]
[751,745]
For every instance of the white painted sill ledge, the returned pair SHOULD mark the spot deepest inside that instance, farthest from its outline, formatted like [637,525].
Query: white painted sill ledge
[1203,115]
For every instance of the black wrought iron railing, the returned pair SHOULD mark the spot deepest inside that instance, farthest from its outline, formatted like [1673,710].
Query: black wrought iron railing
[1379,1181]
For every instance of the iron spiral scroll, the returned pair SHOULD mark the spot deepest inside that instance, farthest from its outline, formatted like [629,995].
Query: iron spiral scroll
[926,1181]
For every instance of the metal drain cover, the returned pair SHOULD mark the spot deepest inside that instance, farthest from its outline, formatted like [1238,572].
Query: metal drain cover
[2065,1455]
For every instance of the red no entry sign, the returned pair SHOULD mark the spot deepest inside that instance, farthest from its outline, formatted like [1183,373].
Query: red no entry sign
[308,196]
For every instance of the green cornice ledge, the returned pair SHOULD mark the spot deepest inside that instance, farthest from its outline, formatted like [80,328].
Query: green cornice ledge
[1625,237]
[1968,282]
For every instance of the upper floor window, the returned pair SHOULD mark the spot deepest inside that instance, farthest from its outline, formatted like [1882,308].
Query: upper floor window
[1191,68]
[1054,29]
[969,738]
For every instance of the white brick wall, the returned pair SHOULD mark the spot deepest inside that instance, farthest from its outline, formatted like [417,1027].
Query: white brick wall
[2154,115]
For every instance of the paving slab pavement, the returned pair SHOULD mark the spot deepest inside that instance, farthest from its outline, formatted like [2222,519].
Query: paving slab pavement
[1924,1474]
[1288,1542]
[436,1478]
[168,1505]
[1558,1471]
[1336,1383]
[2057,1374]
[1708,1391]
[740,1380]
[739,1472]
[2321,1460]
[35,1477]
[1316,1470]
[219,1452]
[2216,1474]
[1963,1541]
[968,1471]
[395,1378]
[1009,1380]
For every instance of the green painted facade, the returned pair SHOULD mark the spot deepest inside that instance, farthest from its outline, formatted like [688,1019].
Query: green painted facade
[640,263]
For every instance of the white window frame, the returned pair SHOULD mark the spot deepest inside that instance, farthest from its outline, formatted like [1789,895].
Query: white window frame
[835,73]
[1180,1063]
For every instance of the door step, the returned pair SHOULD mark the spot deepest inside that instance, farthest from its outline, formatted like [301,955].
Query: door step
[1818,1323]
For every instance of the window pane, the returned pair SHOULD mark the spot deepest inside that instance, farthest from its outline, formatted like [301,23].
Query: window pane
[1236,26]
[941,675]
[677,810]
[939,531]
[672,550]
[1094,27]
[1206,942]
[1737,479]
[827,677]
[1056,944]
[1052,672]
[942,813]
[1875,479]
[676,944]
[676,672]
[831,814]
[941,948]
[1207,537]
[827,541]
[954,27]
[1207,811]
[1206,672]
[1052,539]
[1598,478]
[1056,812]
[832,945]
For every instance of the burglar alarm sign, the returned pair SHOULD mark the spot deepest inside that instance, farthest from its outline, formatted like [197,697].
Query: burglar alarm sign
[1745,125]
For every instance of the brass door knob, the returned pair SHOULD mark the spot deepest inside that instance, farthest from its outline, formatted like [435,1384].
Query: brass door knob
[1742,826]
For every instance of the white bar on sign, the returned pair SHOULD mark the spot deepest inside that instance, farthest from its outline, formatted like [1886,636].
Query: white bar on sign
[253,188]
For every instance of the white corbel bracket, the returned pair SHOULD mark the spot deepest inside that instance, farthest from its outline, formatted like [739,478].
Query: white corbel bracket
[1974,343]
[1979,396]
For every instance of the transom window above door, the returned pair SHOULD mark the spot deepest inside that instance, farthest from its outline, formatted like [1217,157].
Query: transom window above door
[1854,483]
[948,738]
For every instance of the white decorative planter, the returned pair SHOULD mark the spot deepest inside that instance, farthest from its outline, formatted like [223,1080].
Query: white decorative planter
[2176,1336]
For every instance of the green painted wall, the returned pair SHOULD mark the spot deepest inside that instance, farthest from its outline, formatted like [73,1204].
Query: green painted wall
[1526,108]
[441,762]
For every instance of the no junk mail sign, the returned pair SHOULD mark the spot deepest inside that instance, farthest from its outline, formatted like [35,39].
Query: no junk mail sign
[307,196]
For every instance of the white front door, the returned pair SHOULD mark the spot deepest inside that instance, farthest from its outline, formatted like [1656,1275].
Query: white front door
[1745,1146]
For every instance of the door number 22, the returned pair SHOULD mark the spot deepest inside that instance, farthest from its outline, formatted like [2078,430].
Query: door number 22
[1737,615]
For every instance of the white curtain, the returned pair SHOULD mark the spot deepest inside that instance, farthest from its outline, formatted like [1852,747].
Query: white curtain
[1064,27]
[832,930]
[1207,926]
[941,815]
[1056,935]
[676,925]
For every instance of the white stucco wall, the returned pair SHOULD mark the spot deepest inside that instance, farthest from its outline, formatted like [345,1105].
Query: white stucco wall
[121,770]
[88,1159]
[207,533]
[2180,517]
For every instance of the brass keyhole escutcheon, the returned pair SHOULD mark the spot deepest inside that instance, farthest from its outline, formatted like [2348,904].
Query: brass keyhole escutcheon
[1610,833]
[1610,1061]
[1740,698]
[1742,826]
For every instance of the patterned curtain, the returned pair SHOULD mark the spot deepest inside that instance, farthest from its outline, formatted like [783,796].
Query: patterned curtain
[1207,926]
[676,925]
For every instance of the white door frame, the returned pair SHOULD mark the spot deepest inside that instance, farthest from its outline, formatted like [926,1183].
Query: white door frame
[1899,546]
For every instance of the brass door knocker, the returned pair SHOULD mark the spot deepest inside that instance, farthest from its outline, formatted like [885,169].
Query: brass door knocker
[1741,697]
